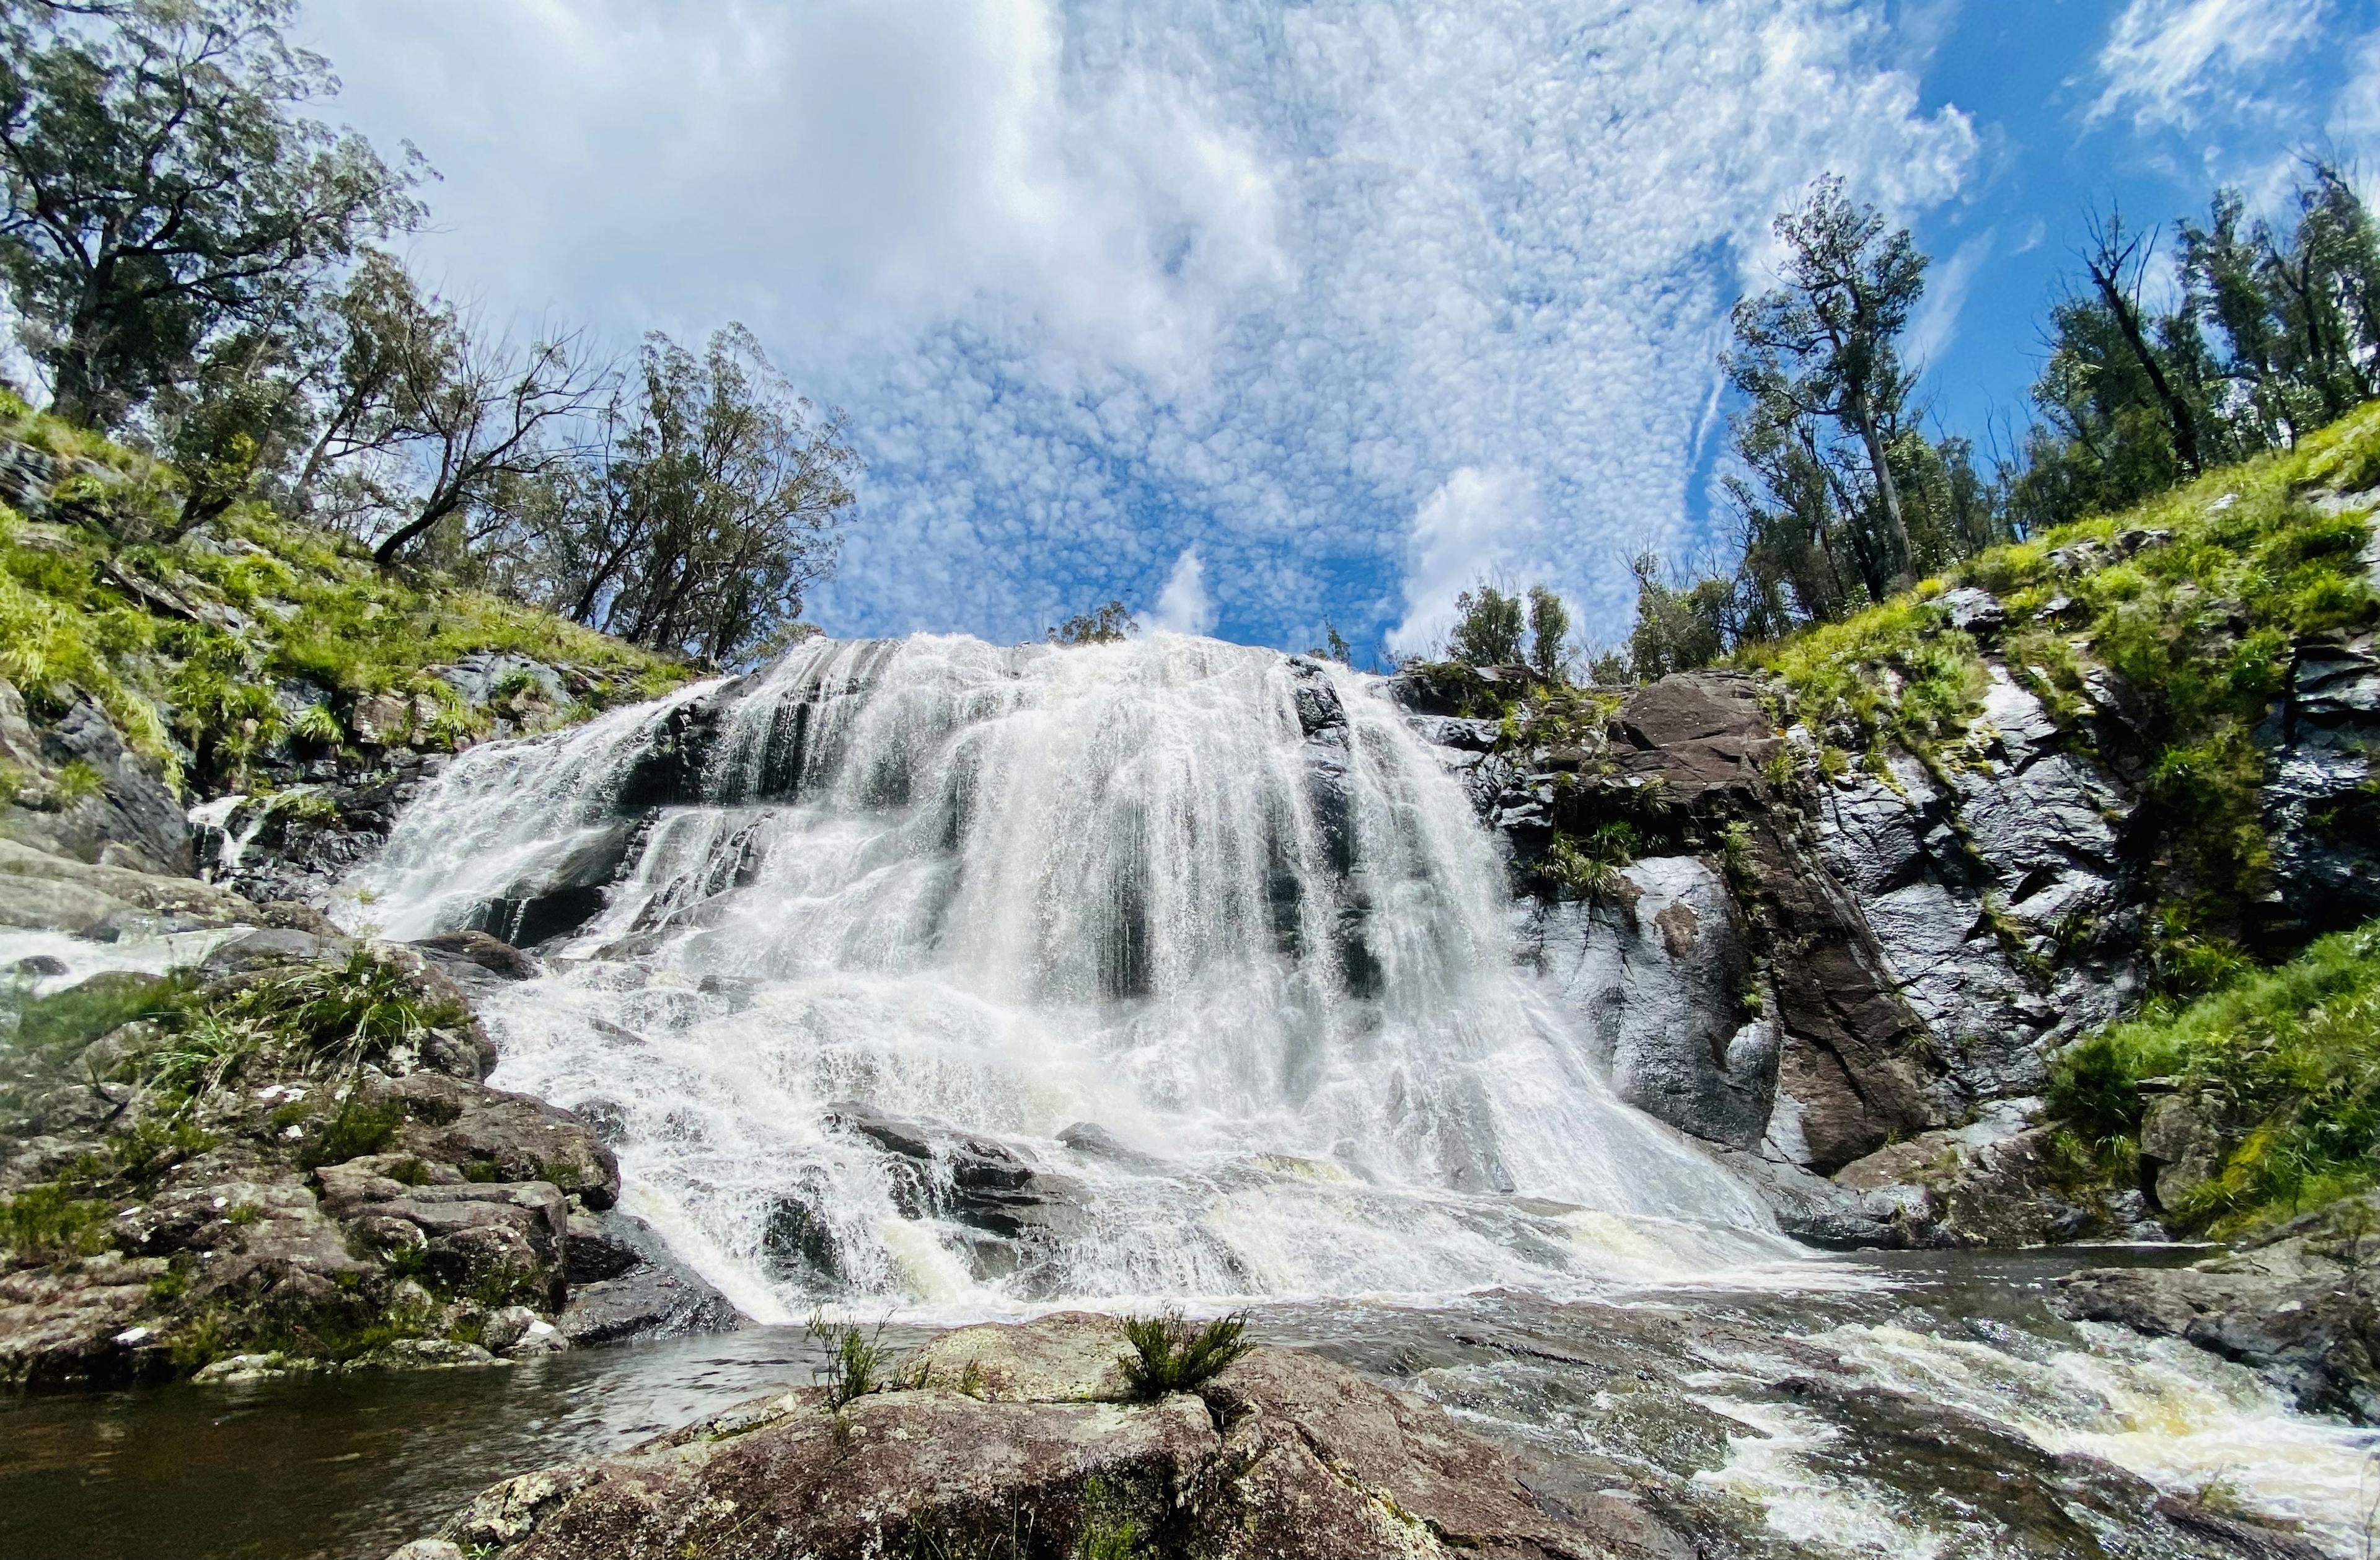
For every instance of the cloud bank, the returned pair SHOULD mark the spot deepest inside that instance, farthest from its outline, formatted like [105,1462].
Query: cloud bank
[1353,301]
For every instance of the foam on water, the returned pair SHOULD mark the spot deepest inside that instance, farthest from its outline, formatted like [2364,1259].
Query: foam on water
[1014,890]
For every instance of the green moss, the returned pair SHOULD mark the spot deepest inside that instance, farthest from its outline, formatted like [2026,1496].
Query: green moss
[65,1021]
[48,1223]
[358,1129]
[273,600]
[2287,1060]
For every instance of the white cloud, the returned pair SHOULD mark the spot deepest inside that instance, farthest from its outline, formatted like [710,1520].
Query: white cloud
[2164,59]
[1100,279]
[1947,285]
[2355,114]
[1182,607]
[1477,525]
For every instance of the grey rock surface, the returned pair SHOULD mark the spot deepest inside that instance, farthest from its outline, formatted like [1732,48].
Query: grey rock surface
[1660,973]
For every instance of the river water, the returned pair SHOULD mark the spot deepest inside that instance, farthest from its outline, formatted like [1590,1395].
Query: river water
[1909,1405]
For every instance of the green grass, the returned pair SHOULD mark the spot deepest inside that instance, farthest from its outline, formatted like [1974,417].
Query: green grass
[273,599]
[2288,1061]
[856,1363]
[64,1022]
[1171,1355]
[48,1224]
[2196,633]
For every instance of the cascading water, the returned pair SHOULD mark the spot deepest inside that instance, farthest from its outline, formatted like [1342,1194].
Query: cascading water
[951,977]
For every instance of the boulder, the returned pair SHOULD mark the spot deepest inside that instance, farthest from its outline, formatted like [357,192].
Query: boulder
[1661,973]
[1992,1182]
[1284,1453]
[505,1137]
[132,820]
[971,1179]
[625,1282]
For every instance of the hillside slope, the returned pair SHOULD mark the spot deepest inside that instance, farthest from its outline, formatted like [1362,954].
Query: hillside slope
[144,666]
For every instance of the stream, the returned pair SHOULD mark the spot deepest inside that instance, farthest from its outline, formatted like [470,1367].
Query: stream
[1901,1404]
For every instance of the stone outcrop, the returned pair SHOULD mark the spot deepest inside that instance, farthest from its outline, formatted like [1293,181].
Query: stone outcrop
[1864,970]
[1025,1440]
[2298,1306]
[294,1211]
[1661,969]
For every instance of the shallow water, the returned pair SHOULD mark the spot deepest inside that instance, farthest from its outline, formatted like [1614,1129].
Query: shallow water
[1812,1412]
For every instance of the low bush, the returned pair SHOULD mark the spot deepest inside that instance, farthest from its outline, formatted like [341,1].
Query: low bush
[1170,1354]
[2285,1061]
[856,1363]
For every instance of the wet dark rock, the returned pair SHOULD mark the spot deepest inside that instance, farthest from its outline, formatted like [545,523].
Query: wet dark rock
[626,1283]
[482,951]
[564,892]
[1094,1142]
[2320,809]
[2296,1307]
[970,1180]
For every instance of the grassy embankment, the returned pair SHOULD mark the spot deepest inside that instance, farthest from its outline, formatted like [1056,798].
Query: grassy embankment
[182,636]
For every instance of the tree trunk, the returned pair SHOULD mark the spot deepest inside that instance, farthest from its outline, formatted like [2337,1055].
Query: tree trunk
[1897,563]
[431,514]
[2179,421]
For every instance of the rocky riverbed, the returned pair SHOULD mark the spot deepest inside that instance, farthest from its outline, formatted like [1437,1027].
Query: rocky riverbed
[1926,1403]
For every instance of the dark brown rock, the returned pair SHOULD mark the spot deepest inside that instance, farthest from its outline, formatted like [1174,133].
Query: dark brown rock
[1699,732]
[1849,1059]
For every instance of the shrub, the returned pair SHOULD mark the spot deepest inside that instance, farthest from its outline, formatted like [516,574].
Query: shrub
[856,1363]
[2288,1061]
[359,1129]
[48,1223]
[351,1014]
[1171,1355]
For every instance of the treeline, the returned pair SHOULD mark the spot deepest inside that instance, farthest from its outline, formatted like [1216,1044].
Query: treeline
[197,268]
[1838,495]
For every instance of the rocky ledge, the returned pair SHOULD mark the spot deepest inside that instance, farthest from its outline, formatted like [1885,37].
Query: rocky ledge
[1028,1440]
[2295,1305]
[288,1159]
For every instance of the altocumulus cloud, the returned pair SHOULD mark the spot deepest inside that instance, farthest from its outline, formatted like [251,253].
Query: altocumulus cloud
[1342,303]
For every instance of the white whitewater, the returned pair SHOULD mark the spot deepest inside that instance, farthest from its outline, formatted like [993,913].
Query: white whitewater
[1017,889]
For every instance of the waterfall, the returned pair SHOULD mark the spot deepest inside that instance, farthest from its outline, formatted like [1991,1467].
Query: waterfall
[949,977]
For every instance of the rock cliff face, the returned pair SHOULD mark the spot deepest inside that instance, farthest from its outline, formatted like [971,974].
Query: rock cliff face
[1850,979]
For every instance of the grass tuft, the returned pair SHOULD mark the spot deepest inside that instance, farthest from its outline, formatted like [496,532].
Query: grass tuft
[1173,1355]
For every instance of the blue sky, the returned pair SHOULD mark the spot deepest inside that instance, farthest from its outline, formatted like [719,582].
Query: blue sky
[1254,315]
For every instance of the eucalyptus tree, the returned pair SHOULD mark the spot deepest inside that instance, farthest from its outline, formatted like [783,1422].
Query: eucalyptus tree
[161,187]
[1819,359]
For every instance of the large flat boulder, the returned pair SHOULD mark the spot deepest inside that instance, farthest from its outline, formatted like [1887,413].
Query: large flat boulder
[1283,1454]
